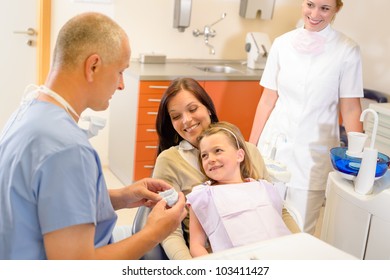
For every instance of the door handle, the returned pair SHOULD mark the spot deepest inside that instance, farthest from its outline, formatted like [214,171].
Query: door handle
[30,31]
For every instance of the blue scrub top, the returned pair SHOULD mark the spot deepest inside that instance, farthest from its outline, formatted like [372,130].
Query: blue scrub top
[50,178]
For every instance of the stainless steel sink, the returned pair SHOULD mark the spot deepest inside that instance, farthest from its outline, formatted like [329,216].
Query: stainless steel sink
[217,69]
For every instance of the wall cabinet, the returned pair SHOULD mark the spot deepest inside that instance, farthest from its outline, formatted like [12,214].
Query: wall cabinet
[235,102]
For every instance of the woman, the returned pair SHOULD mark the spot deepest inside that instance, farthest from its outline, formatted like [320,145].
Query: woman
[185,111]
[311,73]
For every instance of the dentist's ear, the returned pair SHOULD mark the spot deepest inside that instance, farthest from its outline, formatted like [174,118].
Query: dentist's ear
[91,66]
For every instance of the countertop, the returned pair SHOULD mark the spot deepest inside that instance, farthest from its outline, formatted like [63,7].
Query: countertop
[299,246]
[172,69]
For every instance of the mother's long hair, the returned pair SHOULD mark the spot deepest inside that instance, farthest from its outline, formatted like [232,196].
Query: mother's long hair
[167,134]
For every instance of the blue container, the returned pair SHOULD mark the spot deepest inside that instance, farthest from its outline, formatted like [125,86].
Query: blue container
[351,165]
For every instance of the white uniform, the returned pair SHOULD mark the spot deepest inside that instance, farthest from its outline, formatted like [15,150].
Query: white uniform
[310,71]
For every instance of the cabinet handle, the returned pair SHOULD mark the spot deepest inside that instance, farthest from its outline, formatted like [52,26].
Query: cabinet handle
[158,87]
[154,100]
[151,113]
[149,166]
[151,147]
[150,130]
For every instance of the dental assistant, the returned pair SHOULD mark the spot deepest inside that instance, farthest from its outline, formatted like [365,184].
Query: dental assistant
[311,74]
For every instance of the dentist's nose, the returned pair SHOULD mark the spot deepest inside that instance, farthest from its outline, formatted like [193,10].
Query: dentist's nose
[121,84]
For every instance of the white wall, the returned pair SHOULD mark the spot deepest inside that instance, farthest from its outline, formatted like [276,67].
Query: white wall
[149,24]
[367,23]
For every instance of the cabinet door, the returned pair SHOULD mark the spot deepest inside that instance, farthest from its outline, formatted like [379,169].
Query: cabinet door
[143,169]
[236,102]
[146,150]
[378,245]
[345,225]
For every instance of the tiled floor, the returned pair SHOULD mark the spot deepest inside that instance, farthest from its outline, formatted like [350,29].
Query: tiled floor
[126,216]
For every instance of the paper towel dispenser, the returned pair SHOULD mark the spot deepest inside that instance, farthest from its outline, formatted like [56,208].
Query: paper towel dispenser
[250,8]
[182,14]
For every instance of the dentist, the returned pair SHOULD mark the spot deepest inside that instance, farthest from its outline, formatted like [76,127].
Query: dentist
[54,203]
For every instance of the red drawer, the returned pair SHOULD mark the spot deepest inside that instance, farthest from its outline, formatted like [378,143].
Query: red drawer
[143,169]
[149,100]
[146,132]
[147,116]
[146,150]
[147,87]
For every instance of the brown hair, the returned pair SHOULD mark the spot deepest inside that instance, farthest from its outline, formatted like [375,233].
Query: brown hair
[167,134]
[339,4]
[235,137]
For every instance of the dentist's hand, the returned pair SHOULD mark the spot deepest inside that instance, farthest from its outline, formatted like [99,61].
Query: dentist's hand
[163,220]
[141,193]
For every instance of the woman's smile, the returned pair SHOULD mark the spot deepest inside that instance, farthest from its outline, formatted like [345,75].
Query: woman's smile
[191,128]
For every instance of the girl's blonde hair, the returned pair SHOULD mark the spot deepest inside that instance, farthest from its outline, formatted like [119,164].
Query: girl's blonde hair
[236,140]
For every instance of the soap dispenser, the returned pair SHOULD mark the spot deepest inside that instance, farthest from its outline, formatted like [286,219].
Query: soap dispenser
[365,178]
[182,14]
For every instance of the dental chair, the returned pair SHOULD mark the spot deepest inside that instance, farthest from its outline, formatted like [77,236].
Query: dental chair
[157,253]
[369,97]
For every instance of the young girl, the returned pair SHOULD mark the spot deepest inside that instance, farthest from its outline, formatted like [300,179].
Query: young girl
[233,208]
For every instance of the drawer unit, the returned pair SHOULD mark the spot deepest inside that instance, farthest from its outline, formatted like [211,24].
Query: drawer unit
[149,98]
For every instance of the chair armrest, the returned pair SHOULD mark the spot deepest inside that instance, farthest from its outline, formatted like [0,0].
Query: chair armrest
[375,95]
[157,253]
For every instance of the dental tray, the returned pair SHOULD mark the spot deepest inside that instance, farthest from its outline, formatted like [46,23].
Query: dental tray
[349,166]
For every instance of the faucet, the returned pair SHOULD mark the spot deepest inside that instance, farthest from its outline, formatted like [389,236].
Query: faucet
[375,128]
[364,181]
[208,32]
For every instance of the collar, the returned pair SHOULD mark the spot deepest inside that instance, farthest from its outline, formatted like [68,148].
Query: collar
[184,145]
